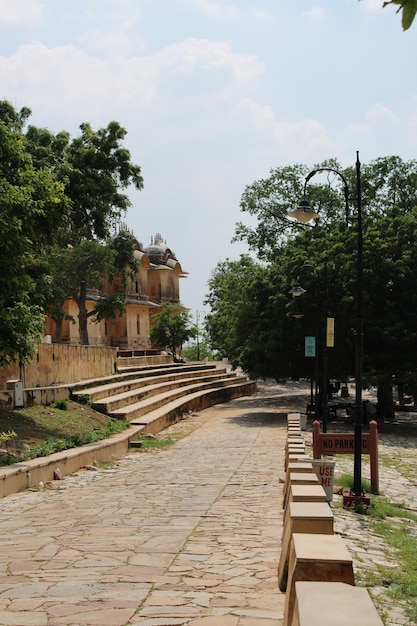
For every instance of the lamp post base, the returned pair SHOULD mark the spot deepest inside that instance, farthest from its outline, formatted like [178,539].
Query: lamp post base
[355,501]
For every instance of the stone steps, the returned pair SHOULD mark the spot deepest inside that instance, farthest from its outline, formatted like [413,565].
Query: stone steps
[107,384]
[137,409]
[104,391]
[157,391]
[155,397]
[156,420]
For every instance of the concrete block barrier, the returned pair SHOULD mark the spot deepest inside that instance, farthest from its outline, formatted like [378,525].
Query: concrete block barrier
[334,603]
[302,517]
[323,558]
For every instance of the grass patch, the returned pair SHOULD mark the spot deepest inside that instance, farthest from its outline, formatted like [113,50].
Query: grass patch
[401,582]
[42,430]
[152,443]
[346,481]
[396,525]
[407,469]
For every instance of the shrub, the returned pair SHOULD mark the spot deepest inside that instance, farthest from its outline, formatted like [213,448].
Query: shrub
[61,403]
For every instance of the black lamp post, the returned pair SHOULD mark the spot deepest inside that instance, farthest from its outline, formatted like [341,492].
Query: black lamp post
[296,291]
[304,213]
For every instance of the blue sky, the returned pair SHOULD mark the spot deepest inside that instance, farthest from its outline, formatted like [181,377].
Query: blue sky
[213,94]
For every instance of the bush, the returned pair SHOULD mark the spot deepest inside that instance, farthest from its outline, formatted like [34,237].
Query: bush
[61,403]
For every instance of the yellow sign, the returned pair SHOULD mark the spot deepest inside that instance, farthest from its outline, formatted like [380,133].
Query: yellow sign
[330,332]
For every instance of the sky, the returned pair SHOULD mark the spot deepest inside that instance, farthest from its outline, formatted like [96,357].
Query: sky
[213,95]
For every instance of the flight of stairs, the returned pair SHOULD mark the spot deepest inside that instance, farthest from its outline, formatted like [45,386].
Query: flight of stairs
[155,396]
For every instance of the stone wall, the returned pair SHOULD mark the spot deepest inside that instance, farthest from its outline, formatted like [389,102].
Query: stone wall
[56,364]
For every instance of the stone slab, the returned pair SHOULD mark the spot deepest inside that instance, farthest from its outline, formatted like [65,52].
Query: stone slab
[319,603]
[323,558]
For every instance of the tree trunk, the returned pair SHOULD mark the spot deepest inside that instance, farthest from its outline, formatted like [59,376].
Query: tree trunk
[58,330]
[82,315]
[385,399]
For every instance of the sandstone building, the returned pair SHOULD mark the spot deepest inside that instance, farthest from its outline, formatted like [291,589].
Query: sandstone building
[156,281]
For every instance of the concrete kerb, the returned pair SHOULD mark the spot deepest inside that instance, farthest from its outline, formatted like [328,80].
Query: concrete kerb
[21,476]
[331,561]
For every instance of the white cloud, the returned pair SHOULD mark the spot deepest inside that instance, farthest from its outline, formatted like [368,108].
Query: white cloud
[306,136]
[112,31]
[381,113]
[260,14]
[215,9]
[25,11]
[194,76]
[185,57]
[373,5]
[378,119]
[316,14]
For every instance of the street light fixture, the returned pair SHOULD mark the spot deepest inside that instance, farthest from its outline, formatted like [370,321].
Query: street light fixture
[304,213]
[298,315]
[297,290]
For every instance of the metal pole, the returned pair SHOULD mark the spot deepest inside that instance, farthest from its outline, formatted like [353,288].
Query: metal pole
[324,355]
[357,467]
[198,336]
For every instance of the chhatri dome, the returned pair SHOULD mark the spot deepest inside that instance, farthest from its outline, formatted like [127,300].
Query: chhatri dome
[158,250]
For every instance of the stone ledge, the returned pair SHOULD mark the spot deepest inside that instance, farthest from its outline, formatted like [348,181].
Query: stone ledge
[21,476]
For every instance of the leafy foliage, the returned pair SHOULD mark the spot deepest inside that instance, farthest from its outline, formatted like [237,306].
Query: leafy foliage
[171,327]
[99,167]
[61,200]
[200,351]
[408,8]
[251,319]
[33,207]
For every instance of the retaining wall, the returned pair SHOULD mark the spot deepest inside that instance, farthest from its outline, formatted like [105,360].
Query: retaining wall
[57,364]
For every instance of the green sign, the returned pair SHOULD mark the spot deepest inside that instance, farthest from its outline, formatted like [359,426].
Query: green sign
[310,346]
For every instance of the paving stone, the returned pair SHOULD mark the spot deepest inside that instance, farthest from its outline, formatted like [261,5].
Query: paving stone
[31,618]
[185,536]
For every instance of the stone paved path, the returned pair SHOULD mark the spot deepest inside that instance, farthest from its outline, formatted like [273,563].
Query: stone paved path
[184,536]
[188,536]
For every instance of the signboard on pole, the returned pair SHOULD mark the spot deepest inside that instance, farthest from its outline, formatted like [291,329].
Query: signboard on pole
[310,346]
[330,332]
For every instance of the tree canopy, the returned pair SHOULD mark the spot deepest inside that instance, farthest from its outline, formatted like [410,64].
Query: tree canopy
[62,198]
[251,319]
[408,8]
[33,206]
[171,327]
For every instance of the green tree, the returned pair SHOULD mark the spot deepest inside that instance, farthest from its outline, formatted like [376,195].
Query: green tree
[33,206]
[61,200]
[408,8]
[200,351]
[171,327]
[390,273]
[90,265]
[248,317]
[98,170]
